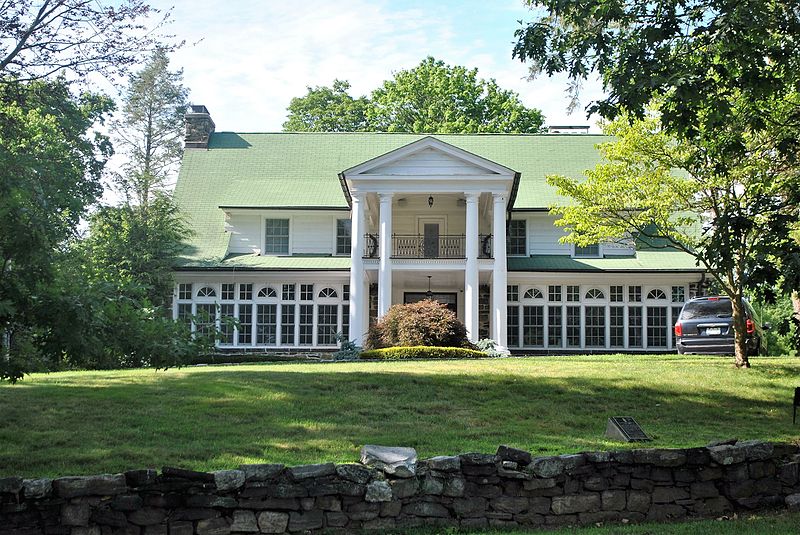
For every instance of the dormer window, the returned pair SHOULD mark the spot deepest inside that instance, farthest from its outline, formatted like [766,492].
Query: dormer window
[517,238]
[343,234]
[276,236]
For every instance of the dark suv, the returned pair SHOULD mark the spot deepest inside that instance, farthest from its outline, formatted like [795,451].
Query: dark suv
[705,326]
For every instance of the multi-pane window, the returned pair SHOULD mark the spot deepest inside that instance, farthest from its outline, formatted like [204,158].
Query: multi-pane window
[533,326]
[595,293]
[246,291]
[346,292]
[595,325]
[533,293]
[657,326]
[634,294]
[287,324]
[573,293]
[288,292]
[246,323]
[554,293]
[206,291]
[267,292]
[346,321]
[678,294]
[512,320]
[266,324]
[512,293]
[656,294]
[226,321]
[185,312]
[634,326]
[306,325]
[573,326]
[306,292]
[327,323]
[228,291]
[185,291]
[276,236]
[343,236]
[615,294]
[327,292]
[590,251]
[616,323]
[516,242]
[554,326]
[206,319]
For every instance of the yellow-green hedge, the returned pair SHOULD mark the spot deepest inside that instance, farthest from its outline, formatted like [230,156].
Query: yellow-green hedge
[421,352]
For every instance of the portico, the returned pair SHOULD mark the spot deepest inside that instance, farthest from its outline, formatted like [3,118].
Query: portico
[429,208]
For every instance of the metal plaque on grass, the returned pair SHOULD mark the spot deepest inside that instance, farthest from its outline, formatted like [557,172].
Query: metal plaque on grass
[625,429]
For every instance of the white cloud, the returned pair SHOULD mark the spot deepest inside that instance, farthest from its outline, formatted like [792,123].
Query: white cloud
[254,57]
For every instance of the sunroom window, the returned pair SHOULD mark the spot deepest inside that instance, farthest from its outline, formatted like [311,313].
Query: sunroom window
[590,251]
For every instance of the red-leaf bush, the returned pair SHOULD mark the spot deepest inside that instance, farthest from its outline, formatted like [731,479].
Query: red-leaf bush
[425,323]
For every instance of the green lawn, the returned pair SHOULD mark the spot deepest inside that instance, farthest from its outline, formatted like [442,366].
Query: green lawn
[218,417]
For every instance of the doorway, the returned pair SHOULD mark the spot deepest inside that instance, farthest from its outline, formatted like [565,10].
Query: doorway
[431,229]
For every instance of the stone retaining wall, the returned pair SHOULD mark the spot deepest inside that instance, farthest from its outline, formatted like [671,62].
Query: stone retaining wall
[473,490]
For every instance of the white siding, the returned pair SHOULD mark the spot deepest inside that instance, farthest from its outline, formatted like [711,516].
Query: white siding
[314,232]
[543,236]
[428,162]
[245,233]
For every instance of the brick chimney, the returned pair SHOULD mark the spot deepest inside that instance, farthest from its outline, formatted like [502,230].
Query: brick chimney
[199,127]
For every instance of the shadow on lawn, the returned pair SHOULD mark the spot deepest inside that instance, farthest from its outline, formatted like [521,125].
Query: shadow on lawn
[215,419]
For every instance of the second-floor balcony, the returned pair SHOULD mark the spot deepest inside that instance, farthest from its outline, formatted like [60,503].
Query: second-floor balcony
[420,246]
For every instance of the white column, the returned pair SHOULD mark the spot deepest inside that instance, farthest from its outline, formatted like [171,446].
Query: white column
[358,313]
[385,268]
[471,268]
[499,275]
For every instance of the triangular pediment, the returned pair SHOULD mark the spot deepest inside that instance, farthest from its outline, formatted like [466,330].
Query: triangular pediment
[428,157]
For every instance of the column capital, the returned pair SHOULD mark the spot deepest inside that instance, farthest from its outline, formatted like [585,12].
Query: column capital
[499,197]
[385,196]
[358,195]
[471,196]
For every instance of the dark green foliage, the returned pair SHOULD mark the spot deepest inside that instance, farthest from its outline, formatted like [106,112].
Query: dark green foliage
[426,323]
[430,98]
[422,352]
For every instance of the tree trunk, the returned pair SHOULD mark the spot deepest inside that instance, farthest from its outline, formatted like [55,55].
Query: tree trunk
[796,320]
[740,334]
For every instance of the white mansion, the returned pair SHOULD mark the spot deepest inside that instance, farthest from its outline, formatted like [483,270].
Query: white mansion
[300,236]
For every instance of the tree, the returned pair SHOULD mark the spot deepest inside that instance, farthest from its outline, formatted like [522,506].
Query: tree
[431,97]
[327,109]
[666,191]
[150,131]
[50,169]
[136,248]
[39,39]
[693,54]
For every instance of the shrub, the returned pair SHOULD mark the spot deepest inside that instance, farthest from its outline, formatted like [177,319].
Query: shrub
[488,346]
[426,323]
[421,352]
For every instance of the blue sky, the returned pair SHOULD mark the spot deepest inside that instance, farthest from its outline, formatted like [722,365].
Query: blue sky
[248,58]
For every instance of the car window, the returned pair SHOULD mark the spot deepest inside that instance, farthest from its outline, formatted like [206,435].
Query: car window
[720,308]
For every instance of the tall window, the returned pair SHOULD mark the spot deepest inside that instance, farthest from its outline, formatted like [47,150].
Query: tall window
[206,319]
[533,326]
[276,236]
[327,322]
[346,322]
[306,325]
[343,236]
[554,326]
[226,322]
[573,326]
[516,242]
[246,323]
[634,326]
[266,324]
[656,326]
[512,323]
[595,326]
[617,326]
[287,324]
[590,251]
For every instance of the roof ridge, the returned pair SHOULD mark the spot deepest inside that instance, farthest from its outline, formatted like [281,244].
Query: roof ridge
[465,134]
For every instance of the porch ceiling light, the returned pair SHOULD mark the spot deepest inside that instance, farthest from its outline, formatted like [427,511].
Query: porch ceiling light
[430,201]
[429,293]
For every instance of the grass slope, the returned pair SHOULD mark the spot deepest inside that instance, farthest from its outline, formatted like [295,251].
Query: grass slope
[218,417]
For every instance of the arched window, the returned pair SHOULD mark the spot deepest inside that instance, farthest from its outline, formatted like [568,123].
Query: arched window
[328,292]
[533,293]
[657,294]
[595,293]
[267,292]
[206,291]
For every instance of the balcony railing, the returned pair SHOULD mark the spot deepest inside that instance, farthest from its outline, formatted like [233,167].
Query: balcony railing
[419,246]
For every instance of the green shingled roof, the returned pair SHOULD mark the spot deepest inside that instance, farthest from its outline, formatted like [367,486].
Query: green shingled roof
[301,169]
[648,260]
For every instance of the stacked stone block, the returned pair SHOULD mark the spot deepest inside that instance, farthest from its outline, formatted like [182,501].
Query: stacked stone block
[474,490]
